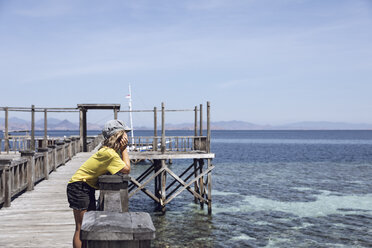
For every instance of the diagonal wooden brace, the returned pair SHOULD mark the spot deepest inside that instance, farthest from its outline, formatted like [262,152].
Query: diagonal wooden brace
[146,182]
[188,184]
[184,183]
[144,190]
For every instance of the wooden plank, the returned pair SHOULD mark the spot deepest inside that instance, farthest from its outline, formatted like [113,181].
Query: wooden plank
[170,155]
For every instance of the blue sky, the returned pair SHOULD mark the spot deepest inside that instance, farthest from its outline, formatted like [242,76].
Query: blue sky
[261,61]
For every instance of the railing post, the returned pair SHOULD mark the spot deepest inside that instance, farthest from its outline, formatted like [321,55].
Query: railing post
[62,143]
[155,141]
[45,128]
[7,181]
[77,145]
[32,127]
[54,156]
[162,128]
[30,156]
[201,120]
[69,149]
[6,136]
[46,162]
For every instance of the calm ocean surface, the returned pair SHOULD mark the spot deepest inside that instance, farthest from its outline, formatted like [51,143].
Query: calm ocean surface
[274,189]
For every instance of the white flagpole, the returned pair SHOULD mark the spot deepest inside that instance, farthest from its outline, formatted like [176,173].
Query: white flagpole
[130,114]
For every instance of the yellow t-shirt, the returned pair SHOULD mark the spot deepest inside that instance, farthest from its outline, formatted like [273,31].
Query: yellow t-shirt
[103,161]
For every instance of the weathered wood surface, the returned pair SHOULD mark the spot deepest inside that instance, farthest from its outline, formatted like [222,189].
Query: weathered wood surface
[42,217]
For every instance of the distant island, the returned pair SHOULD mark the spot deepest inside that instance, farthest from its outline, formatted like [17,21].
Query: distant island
[57,124]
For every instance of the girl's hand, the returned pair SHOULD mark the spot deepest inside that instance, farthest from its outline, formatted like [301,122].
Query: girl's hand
[124,142]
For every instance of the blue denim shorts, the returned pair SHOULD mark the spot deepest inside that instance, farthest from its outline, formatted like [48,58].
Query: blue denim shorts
[81,196]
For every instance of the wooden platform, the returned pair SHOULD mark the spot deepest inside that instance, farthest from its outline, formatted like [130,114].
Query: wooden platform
[171,155]
[42,217]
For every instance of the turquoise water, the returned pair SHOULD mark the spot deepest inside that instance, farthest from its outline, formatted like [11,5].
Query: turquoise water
[275,189]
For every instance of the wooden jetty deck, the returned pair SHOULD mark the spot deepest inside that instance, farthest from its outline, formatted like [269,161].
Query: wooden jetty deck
[42,217]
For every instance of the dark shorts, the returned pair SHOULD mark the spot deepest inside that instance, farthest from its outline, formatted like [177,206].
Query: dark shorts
[81,196]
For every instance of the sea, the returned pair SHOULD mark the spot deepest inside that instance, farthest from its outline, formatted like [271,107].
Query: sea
[272,189]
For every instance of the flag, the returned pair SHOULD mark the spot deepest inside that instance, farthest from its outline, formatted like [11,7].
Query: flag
[127,96]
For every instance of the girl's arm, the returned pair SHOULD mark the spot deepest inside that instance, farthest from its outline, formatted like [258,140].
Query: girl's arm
[126,160]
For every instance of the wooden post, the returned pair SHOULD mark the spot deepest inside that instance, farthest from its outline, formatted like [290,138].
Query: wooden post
[196,122]
[84,129]
[113,193]
[81,129]
[29,155]
[32,127]
[163,185]
[196,188]
[6,137]
[209,179]
[62,143]
[208,127]
[201,119]
[7,182]
[201,182]
[115,113]
[54,156]
[162,128]
[155,145]
[45,129]
[102,229]
[46,162]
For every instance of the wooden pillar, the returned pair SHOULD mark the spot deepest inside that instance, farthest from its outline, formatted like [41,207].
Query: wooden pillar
[209,184]
[45,129]
[157,167]
[196,188]
[163,185]
[102,229]
[7,182]
[54,156]
[46,162]
[114,193]
[115,113]
[32,128]
[196,121]
[162,128]
[30,156]
[201,119]
[201,182]
[155,145]
[6,137]
[83,128]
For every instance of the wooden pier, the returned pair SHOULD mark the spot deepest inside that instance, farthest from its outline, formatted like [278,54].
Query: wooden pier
[196,178]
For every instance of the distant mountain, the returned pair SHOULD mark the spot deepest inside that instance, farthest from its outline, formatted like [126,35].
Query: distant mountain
[325,125]
[56,124]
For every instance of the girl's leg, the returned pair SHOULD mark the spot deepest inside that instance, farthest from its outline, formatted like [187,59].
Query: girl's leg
[78,215]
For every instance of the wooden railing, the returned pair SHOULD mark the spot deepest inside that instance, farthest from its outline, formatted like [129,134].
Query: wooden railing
[22,173]
[171,143]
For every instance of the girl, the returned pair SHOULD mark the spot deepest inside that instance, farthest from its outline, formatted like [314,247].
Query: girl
[81,187]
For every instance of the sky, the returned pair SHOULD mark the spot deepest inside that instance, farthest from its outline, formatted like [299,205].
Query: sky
[261,61]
